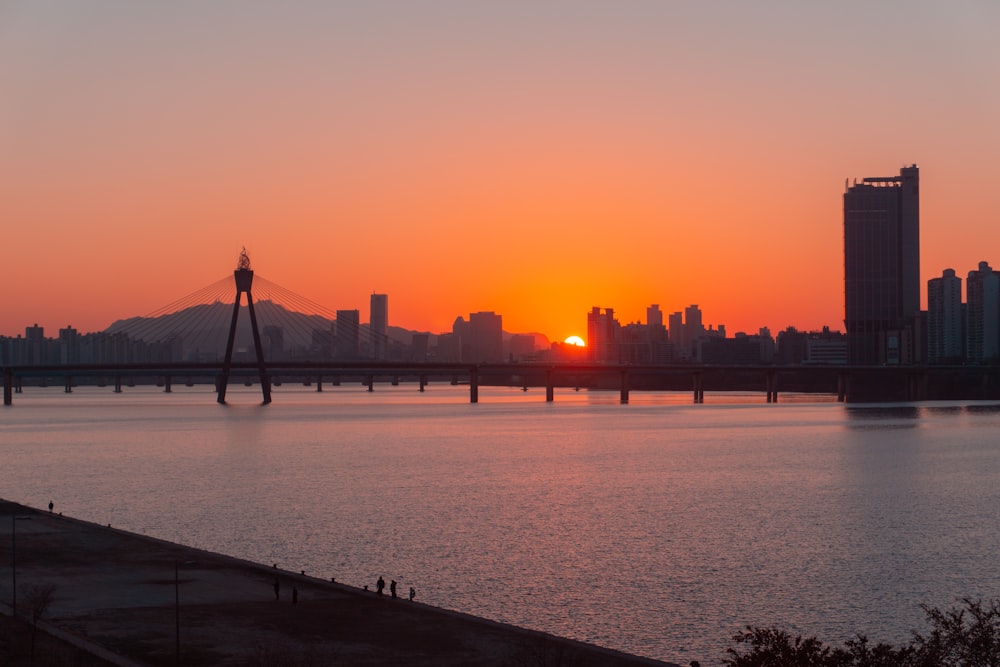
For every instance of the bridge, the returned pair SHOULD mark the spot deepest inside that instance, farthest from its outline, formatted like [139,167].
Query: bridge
[849,383]
[178,342]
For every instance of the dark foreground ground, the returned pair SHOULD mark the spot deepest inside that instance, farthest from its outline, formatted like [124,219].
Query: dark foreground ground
[113,594]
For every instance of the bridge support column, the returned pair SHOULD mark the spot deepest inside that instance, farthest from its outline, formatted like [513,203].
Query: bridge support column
[772,387]
[423,382]
[916,387]
[841,387]
[69,385]
[473,385]
[8,387]
[370,381]
[395,380]
[244,280]
[699,392]
[623,395]
[118,384]
[166,385]
[319,383]
[336,381]
[550,392]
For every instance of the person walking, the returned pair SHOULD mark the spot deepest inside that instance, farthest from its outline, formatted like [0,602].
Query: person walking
[413,593]
[380,585]
[392,588]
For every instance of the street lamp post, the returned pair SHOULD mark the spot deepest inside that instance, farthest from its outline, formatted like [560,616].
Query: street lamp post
[177,613]
[13,562]
[177,608]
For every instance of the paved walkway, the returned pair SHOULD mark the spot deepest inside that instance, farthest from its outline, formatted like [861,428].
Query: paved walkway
[117,591]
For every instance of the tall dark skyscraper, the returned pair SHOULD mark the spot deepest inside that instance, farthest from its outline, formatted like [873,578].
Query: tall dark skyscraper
[882,269]
[378,325]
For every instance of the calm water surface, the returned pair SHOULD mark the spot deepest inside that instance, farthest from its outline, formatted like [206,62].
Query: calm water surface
[659,528]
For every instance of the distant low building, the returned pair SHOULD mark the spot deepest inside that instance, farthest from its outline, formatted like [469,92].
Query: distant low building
[795,347]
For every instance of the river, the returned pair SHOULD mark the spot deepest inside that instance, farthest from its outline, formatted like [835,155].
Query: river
[659,527]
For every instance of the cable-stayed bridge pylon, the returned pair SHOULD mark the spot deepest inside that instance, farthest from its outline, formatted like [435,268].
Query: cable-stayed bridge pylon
[206,327]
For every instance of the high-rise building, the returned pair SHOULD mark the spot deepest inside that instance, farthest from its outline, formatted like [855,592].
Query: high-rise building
[35,344]
[487,336]
[945,336]
[676,328]
[274,342]
[378,325]
[69,346]
[654,316]
[693,326]
[480,339]
[982,298]
[347,338]
[602,334]
[882,268]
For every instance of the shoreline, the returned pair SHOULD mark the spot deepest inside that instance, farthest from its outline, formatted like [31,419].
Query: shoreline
[138,598]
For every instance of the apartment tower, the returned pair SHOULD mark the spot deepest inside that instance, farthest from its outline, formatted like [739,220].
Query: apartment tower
[882,269]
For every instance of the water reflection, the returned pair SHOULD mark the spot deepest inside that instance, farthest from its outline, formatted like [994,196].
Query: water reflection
[904,416]
[883,417]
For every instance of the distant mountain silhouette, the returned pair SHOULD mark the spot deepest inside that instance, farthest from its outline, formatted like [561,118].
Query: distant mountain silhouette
[205,327]
[202,330]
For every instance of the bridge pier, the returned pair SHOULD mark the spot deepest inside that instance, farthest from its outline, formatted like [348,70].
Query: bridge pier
[699,392]
[395,380]
[549,387]
[69,385]
[319,384]
[771,381]
[916,387]
[166,385]
[8,387]
[473,385]
[265,388]
[118,384]
[370,381]
[423,382]
[623,395]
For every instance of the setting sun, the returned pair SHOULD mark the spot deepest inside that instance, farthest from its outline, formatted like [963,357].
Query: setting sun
[575,340]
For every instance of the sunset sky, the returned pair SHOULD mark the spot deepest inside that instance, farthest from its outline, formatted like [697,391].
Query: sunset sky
[530,158]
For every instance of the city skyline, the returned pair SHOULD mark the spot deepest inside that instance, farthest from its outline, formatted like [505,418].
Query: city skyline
[530,161]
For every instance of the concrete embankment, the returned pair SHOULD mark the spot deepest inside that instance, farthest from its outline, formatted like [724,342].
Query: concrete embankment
[136,600]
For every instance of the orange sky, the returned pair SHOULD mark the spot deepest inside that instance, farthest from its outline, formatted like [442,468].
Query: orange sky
[531,160]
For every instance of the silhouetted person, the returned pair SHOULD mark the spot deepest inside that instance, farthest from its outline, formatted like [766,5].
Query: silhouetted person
[51,505]
[392,588]
[295,595]
[413,594]
[695,663]
[380,585]
[277,588]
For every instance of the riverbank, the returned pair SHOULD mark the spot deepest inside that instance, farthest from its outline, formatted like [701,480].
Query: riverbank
[138,600]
